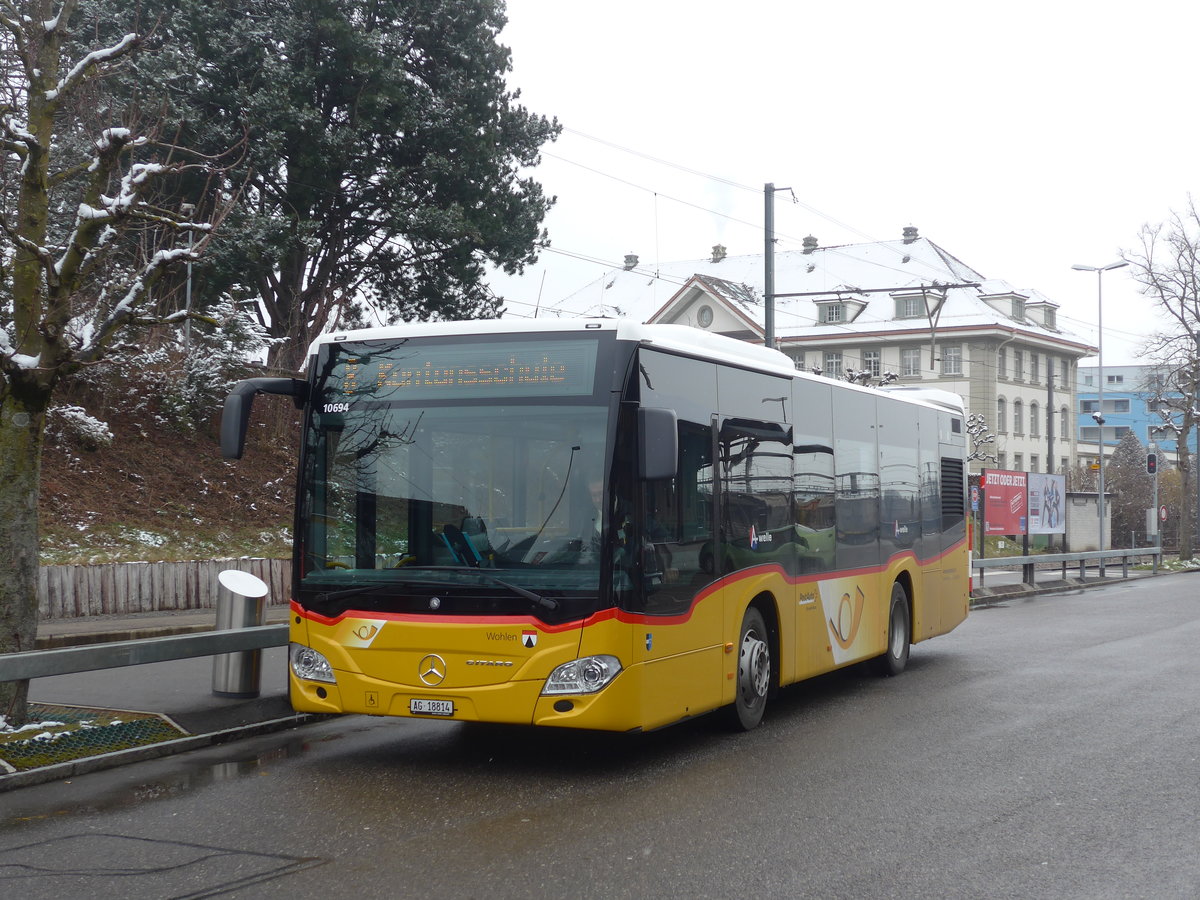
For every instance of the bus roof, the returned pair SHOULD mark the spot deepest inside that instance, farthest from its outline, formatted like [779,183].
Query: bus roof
[682,338]
[679,338]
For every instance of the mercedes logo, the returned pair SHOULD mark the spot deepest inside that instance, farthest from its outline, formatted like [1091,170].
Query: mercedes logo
[432,670]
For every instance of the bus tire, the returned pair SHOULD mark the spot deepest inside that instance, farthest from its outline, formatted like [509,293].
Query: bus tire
[895,658]
[754,672]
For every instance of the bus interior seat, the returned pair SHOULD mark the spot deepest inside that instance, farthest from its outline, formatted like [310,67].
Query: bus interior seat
[462,548]
[474,529]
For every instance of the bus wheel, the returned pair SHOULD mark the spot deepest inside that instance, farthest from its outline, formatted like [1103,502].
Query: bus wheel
[753,673]
[896,658]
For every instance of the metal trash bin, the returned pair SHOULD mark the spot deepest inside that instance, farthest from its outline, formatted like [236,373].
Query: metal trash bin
[241,603]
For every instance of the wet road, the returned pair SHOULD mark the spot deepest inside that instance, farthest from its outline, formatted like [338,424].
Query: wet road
[1047,748]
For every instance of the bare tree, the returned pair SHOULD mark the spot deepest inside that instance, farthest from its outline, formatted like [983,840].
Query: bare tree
[1167,267]
[83,239]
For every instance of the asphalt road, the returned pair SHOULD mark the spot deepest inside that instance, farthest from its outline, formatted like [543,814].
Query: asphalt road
[1047,748]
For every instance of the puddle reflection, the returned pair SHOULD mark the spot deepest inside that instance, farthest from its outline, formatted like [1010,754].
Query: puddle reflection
[188,774]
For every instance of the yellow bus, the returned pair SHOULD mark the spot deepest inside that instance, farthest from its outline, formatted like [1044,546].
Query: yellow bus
[605,525]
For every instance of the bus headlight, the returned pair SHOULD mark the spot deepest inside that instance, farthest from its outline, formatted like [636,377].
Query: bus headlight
[310,665]
[582,676]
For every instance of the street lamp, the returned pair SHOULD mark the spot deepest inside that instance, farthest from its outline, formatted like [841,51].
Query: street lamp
[1100,270]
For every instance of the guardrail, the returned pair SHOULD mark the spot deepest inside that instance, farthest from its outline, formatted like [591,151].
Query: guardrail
[68,660]
[1029,564]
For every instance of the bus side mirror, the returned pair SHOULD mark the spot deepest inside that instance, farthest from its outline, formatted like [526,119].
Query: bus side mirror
[658,447]
[235,418]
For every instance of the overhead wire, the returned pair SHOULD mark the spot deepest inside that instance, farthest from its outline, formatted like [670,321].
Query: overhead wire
[828,252]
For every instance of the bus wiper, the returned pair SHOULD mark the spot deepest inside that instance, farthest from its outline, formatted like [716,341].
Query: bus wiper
[354,592]
[544,602]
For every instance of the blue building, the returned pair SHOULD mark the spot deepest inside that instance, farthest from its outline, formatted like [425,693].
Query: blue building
[1129,406]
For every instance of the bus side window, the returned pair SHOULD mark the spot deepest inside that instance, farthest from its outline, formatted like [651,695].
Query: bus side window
[677,525]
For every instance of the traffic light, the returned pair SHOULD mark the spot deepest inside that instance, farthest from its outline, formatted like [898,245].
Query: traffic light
[1151,463]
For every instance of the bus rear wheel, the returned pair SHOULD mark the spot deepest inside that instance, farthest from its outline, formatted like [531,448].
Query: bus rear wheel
[753,673]
[895,658]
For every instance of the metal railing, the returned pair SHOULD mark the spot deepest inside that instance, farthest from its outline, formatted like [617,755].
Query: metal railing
[1029,564]
[69,660]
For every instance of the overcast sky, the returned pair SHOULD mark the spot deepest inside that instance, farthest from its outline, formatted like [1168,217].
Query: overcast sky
[1021,137]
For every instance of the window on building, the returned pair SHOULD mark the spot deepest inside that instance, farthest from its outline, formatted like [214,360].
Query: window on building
[1114,379]
[1035,367]
[1019,462]
[1051,318]
[910,361]
[1034,461]
[1002,415]
[1018,417]
[832,312]
[1089,433]
[798,356]
[833,364]
[870,361]
[1089,380]
[910,307]
[952,359]
[1018,308]
[1088,406]
[1035,425]
[1064,418]
[1018,365]
[1120,405]
[1062,464]
[1119,432]
[1062,372]
[1001,363]
[1002,460]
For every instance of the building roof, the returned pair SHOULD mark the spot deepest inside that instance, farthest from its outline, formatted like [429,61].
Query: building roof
[866,277]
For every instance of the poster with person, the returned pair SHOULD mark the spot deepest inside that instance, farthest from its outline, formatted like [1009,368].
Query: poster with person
[1046,493]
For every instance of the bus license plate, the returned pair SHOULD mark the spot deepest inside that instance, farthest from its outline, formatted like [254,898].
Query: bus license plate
[422,707]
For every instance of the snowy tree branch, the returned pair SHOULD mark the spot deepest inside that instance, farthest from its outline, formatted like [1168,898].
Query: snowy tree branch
[89,63]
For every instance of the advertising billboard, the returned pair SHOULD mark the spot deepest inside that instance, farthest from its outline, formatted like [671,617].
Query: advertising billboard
[1005,502]
[1046,493]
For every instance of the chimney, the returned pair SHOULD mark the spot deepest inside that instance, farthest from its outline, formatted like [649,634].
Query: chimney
[910,234]
[809,244]
[718,252]
[631,260]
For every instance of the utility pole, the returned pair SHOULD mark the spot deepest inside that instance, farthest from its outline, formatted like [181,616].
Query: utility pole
[769,190]
[769,264]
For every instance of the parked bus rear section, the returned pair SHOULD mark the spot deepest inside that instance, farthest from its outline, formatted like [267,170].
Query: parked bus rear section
[605,525]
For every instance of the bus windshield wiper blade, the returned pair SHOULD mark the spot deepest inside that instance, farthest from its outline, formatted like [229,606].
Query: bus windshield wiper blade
[544,602]
[326,596]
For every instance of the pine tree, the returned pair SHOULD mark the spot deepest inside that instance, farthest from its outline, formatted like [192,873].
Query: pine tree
[1132,490]
[382,169]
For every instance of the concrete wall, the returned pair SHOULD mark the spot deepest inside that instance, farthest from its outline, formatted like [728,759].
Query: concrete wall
[1083,521]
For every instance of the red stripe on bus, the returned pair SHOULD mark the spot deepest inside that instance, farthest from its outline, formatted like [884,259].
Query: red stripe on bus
[631,618]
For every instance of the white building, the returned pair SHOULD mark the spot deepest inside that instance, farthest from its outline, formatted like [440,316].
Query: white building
[905,307]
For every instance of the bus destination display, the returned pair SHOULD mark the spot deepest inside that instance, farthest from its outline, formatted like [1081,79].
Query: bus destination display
[513,369]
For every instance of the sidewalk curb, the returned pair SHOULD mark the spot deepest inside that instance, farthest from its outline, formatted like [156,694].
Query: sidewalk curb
[116,758]
[983,597]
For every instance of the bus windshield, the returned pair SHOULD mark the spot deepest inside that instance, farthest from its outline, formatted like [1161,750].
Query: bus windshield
[479,505]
